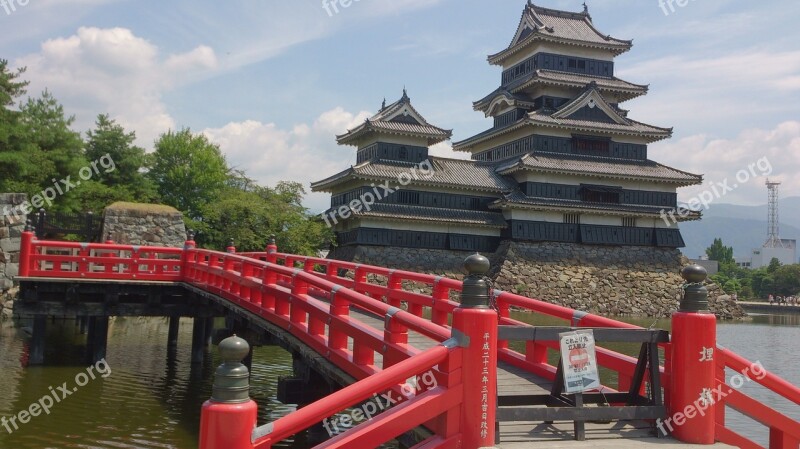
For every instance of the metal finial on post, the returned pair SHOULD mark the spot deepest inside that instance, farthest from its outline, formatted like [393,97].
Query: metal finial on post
[232,379]
[272,240]
[28,225]
[475,292]
[231,246]
[695,294]
[229,417]
[190,235]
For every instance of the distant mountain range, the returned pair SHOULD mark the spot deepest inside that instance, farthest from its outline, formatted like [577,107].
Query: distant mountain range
[743,227]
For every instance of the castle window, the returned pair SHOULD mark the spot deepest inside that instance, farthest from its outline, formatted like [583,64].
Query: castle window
[600,194]
[403,153]
[582,65]
[572,218]
[629,222]
[573,63]
[408,198]
[591,147]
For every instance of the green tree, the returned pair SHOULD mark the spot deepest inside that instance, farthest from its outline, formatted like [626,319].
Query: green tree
[11,89]
[250,216]
[762,282]
[125,176]
[22,167]
[787,280]
[719,252]
[189,171]
[773,266]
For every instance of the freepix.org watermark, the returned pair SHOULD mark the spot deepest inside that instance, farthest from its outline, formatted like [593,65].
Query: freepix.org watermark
[710,396]
[717,190]
[332,6]
[55,396]
[668,6]
[10,6]
[423,170]
[60,187]
[378,403]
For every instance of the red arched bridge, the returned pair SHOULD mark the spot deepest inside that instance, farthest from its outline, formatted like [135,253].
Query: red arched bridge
[421,355]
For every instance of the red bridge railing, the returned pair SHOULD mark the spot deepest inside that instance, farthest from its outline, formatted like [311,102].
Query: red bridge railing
[312,299]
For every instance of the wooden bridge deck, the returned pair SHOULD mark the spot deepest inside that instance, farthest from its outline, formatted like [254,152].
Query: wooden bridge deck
[513,381]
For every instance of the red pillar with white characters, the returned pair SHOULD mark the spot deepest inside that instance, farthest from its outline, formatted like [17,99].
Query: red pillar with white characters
[691,406]
[228,419]
[475,329]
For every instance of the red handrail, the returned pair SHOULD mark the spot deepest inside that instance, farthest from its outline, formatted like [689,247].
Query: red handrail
[311,414]
[290,293]
[784,432]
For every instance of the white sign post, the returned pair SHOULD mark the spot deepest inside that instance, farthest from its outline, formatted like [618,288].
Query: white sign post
[579,361]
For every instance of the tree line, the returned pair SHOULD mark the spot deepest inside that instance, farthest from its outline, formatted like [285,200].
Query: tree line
[774,279]
[39,147]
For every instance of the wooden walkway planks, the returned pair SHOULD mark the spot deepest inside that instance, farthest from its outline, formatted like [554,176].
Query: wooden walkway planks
[514,381]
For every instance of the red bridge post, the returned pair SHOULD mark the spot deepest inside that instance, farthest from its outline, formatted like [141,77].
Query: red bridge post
[272,250]
[691,407]
[475,326]
[26,250]
[228,419]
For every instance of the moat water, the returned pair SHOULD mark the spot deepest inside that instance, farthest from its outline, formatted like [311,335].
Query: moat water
[149,398]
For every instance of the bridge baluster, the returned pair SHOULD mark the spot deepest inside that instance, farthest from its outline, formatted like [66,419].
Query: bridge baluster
[268,285]
[395,333]
[26,250]
[229,417]
[298,315]
[439,294]
[340,307]
[395,283]
[272,250]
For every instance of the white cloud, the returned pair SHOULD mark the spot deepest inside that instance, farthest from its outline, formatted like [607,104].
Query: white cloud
[305,153]
[773,153]
[718,94]
[113,71]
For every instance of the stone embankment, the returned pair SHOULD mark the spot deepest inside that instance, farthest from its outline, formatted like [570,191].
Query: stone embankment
[635,281]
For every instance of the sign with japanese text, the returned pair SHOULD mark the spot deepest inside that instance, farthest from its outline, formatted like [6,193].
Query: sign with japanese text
[579,361]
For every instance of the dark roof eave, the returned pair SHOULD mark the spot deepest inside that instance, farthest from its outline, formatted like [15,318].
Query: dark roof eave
[609,210]
[519,166]
[328,184]
[617,48]
[387,217]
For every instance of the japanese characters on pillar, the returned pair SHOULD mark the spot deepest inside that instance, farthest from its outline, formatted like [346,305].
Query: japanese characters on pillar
[485,373]
[691,407]
[475,329]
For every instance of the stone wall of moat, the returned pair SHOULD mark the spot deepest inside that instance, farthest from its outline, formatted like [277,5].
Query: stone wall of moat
[607,280]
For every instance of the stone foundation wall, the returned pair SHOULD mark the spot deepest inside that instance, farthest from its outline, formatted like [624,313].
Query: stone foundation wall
[638,281]
[7,299]
[11,227]
[144,224]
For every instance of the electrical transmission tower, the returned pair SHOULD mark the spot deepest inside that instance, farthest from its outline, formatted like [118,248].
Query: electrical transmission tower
[773,231]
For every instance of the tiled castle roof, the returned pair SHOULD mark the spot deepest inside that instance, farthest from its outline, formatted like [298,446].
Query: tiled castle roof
[600,167]
[462,174]
[398,118]
[543,24]
[432,214]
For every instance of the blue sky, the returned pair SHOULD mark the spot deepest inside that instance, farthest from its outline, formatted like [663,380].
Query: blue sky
[272,81]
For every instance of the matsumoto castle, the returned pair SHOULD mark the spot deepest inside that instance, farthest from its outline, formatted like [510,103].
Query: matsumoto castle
[562,162]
